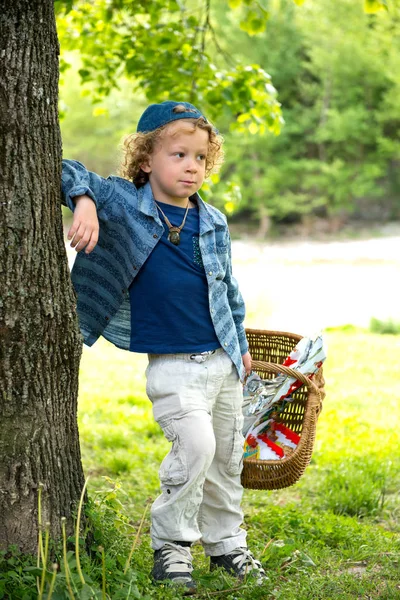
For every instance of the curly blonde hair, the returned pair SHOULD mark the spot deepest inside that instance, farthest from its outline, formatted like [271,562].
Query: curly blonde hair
[137,147]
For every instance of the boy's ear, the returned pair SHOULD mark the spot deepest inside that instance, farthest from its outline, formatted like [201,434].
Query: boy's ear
[146,167]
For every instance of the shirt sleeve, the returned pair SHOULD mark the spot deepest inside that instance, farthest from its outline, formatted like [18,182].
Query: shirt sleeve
[236,302]
[76,180]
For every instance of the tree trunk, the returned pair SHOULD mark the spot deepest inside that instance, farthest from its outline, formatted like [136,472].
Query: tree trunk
[264,224]
[40,344]
[326,100]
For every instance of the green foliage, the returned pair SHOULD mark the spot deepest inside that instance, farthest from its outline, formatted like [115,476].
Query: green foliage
[63,6]
[16,578]
[93,133]
[374,6]
[334,157]
[389,326]
[133,39]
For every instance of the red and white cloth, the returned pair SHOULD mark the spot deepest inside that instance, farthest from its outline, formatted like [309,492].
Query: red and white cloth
[270,441]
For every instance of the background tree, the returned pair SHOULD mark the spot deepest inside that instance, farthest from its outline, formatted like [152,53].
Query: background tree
[335,69]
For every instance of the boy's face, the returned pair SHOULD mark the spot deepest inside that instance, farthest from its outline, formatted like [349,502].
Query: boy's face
[177,166]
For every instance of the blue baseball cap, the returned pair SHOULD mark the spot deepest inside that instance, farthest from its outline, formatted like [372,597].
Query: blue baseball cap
[157,115]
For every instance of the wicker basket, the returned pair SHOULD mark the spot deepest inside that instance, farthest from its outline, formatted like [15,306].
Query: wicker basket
[269,349]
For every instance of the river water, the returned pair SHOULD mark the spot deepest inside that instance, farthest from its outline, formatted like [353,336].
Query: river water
[306,286]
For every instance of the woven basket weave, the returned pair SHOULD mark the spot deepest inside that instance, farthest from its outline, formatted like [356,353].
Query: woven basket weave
[269,349]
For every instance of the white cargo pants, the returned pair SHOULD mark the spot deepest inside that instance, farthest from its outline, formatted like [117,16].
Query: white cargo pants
[199,408]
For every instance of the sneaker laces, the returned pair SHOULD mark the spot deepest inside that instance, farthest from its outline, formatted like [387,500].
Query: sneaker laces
[177,559]
[245,561]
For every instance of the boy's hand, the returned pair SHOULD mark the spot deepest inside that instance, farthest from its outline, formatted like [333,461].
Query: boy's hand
[84,231]
[246,359]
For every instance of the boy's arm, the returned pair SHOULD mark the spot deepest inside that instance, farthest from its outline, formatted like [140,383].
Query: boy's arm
[236,302]
[82,191]
[84,231]
[76,181]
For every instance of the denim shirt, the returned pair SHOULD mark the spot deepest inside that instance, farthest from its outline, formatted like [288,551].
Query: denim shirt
[130,228]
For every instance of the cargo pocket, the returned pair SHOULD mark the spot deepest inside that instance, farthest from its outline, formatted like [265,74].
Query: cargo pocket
[174,468]
[235,461]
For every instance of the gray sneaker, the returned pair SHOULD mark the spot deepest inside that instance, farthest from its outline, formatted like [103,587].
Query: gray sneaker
[173,565]
[241,563]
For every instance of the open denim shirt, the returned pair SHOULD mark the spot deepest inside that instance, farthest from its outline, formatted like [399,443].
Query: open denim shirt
[130,228]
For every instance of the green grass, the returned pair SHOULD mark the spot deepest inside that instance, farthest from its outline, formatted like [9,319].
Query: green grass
[334,535]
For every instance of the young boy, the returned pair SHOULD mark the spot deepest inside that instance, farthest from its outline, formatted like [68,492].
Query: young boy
[156,277]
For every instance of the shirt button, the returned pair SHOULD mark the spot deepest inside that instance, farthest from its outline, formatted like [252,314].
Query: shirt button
[155,236]
[225,343]
[134,268]
[210,272]
[212,311]
[107,318]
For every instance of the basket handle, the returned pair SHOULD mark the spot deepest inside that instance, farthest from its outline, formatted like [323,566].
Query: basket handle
[316,394]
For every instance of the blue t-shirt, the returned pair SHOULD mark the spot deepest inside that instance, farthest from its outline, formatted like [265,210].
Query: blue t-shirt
[169,297]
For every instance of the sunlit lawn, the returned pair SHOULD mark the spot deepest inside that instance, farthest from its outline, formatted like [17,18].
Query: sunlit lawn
[332,535]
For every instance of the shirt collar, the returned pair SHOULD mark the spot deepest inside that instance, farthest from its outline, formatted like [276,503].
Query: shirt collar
[147,205]
[206,220]
[146,202]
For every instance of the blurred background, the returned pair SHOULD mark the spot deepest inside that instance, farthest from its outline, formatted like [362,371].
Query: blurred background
[315,210]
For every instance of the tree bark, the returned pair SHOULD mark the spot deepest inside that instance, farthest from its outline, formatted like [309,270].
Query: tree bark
[40,343]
